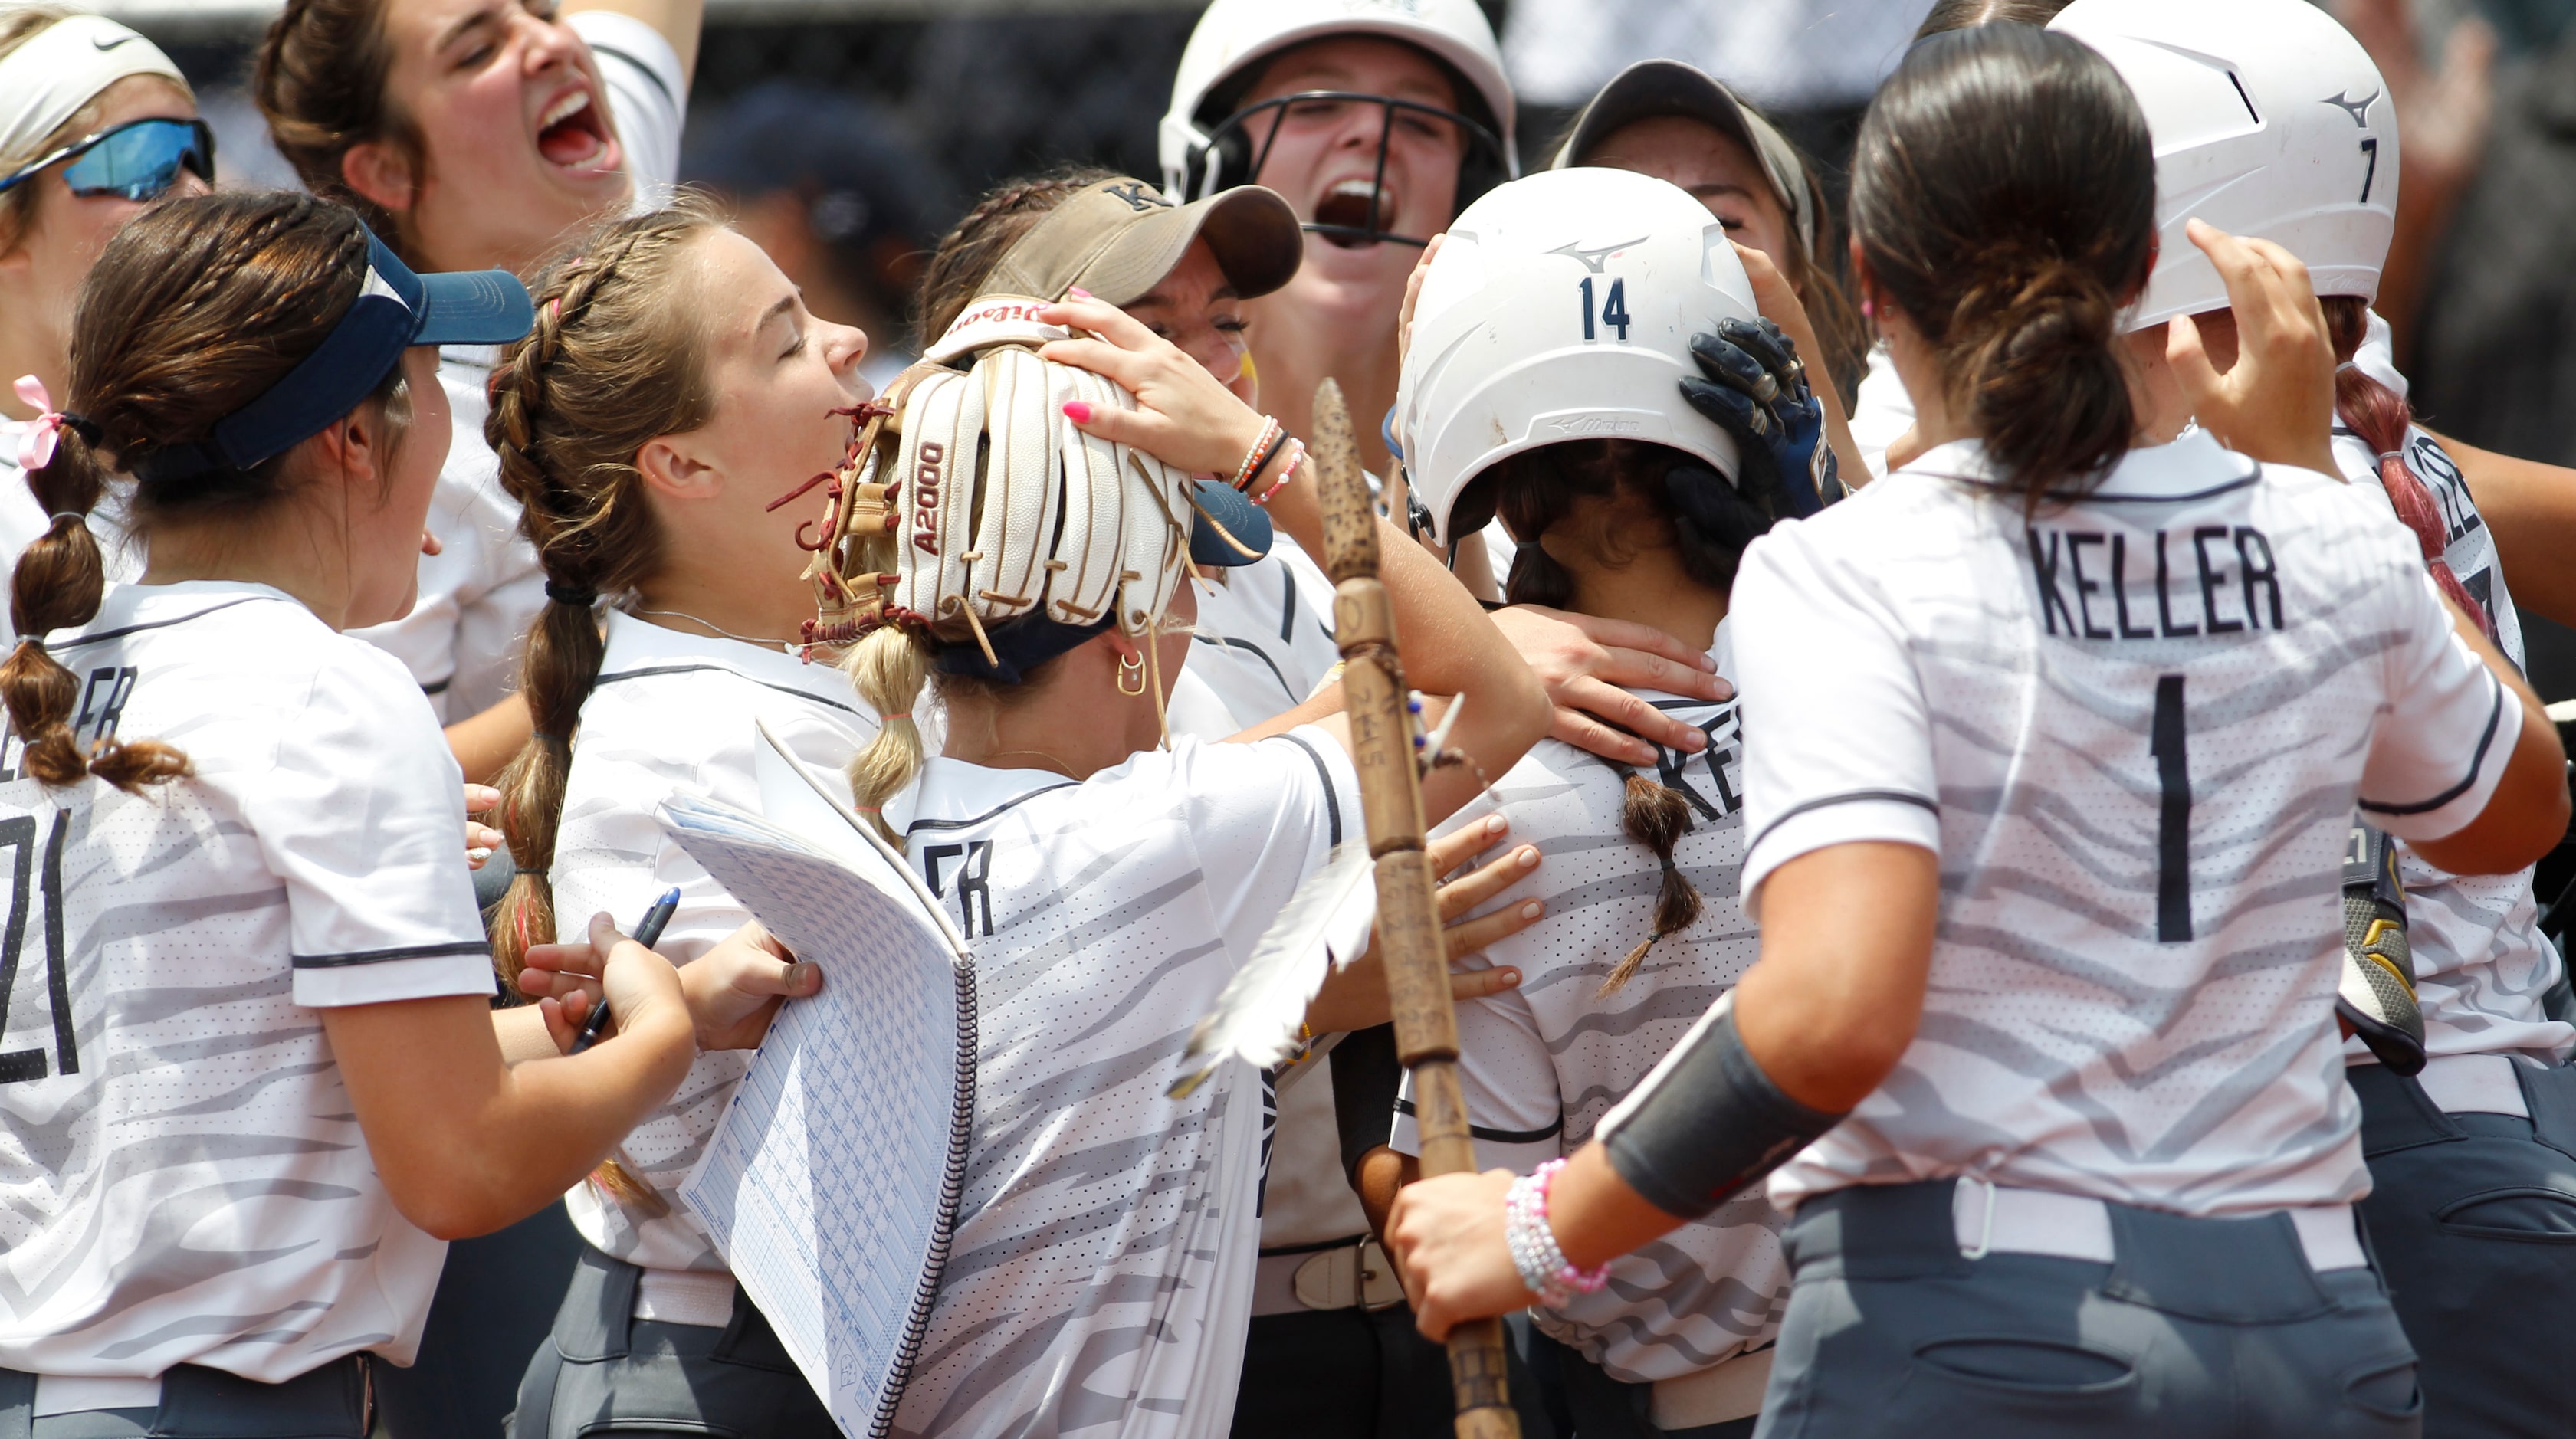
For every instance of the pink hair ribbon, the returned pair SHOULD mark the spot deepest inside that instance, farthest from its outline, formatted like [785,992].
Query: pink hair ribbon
[36,442]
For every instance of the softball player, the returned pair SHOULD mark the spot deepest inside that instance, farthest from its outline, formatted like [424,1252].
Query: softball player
[2046,862]
[1650,524]
[1108,886]
[97,124]
[524,129]
[251,1073]
[1378,120]
[619,423]
[2458,1152]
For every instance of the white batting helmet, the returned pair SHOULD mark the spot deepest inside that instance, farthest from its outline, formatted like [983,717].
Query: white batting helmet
[1235,35]
[1000,508]
[2269,120]
[1561,307]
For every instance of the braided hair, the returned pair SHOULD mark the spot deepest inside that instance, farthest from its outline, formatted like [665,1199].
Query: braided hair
[1535,491]
[614,360]
[194,310]
[968,252]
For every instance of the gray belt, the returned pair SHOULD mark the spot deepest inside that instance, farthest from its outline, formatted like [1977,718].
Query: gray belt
[1348,1273]
[332,1402]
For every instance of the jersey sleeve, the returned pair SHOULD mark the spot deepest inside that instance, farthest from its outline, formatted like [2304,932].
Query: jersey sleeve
[2450,726]
[1263,817]
[363,817]
[647,95]
[1836,752]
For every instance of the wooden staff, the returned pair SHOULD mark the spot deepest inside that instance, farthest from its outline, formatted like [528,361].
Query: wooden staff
[1408,916]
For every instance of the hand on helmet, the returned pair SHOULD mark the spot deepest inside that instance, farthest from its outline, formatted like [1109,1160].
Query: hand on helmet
[1757,391]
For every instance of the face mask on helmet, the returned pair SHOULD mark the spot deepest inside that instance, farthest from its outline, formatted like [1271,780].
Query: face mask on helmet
[1240,149]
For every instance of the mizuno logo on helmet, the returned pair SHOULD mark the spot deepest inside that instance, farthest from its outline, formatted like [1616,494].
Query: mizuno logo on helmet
[1592,258]
[2357,109]
[1140,196]
[1594,425]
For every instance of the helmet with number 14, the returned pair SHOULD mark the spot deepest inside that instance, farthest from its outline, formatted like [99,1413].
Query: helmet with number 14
[1561,307]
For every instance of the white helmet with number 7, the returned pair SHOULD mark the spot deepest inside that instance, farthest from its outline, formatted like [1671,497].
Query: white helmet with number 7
[2269,120]
[1561,307]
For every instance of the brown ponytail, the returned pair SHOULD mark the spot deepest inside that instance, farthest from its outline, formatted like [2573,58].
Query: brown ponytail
[2003,194]
[193,310]
[1657,816]
[56,586]
[616,358]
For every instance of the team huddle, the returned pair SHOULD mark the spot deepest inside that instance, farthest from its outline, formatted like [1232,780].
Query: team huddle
[1987,802]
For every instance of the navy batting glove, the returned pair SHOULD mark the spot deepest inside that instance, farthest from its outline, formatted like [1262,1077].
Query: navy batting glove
[1757,391]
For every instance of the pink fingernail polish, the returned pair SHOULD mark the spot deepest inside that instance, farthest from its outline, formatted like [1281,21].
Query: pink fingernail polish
[1078,411]
[1079,293]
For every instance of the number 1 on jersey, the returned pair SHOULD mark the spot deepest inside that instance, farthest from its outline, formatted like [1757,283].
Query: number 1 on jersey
[2173,820]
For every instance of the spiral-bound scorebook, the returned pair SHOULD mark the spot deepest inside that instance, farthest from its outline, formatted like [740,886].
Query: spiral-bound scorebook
[831,1182]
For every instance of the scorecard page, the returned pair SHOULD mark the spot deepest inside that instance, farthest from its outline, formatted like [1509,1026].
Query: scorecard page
[831,1183]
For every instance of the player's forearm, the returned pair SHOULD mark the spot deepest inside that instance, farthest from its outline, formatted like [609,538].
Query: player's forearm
[2527,815]
[2530,508]
[679,22]
[486,743]
[1452,647]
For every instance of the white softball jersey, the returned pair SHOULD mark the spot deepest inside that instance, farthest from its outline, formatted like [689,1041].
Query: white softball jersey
[1263,642]
[478,597]
[1104,918]
[182,1179]
[2134,727]
[2481,963]
[674,714]
[1542,1063]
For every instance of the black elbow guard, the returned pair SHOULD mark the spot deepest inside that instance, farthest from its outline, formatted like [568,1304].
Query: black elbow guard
[1706,1122]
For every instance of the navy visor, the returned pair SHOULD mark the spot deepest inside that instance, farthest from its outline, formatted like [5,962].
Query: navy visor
[395,310]
[1229,529]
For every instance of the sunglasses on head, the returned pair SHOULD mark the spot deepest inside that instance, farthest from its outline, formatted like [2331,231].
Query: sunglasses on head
[138,160]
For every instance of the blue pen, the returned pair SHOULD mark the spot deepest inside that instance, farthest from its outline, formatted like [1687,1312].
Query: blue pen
[647,934]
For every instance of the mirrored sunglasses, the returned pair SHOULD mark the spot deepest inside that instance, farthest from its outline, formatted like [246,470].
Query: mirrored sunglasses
[139,160]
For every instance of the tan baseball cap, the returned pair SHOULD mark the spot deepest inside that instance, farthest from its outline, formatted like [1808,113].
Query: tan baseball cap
[1119,238]
[1652,88]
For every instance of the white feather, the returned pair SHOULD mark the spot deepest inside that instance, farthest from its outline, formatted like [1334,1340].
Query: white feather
[1257,1017]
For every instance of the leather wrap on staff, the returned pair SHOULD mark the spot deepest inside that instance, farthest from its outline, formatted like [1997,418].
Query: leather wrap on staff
[1408,915]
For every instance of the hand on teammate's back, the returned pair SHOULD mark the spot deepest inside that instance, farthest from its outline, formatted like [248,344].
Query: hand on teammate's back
[2275,403]
[1354,996]
[1587,662]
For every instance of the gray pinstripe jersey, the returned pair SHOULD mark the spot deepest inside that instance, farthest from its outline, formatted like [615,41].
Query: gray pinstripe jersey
[2481,965]
[1100,1277]
[181,1178]
[2133,726]
[1542,1063]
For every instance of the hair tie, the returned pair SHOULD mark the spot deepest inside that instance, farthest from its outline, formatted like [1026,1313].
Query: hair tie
[68,515]
[36,443]
[906,714]
[541,734]
[37,640]
[576,594]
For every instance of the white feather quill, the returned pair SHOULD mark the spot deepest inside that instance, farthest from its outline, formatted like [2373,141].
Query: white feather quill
[1326,922]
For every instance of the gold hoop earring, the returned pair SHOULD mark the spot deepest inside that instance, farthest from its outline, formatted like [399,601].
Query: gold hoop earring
[1131,666]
